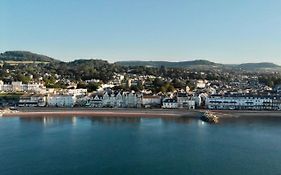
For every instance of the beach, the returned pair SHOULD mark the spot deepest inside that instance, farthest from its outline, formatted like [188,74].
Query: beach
[132,112]
[102,112]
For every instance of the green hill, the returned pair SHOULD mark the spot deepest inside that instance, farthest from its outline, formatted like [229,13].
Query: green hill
[25,56]
[204,64]
[181,64]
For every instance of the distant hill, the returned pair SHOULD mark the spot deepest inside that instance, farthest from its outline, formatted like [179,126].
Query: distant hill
[25,56]
[181,64]
[259,66]
[205,64]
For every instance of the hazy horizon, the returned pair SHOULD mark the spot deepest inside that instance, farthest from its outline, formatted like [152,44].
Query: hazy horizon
[233,32]
[110,61]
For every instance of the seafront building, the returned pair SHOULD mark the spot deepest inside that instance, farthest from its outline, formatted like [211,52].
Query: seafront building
[115,100]
[32,100]
[213,95]
[186,101]
[169,103]
[244,102]
[149,101]
[61,100]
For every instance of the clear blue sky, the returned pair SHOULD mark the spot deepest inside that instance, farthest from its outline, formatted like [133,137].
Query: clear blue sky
[227,31]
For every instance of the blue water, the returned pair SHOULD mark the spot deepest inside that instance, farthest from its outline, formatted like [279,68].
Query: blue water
[138,146]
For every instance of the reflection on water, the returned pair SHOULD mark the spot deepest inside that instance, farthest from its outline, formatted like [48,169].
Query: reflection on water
[134,145]
[73,120]
[180,120]
[249,120]
[49,120]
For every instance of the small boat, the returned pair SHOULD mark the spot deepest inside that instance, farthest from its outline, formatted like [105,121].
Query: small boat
[209,117]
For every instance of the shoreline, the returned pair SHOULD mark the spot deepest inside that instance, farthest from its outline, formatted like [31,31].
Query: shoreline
[60,112]
[133,112]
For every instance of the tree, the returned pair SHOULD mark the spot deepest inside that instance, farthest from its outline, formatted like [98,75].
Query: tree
[92,86]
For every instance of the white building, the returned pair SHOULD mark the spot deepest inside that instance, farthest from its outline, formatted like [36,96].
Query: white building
[95,102]
[185,101]
[61,100]
[201,84]
[120,100]
[33,100]
[76,92]
[18,86]
[169,103]
[132,100]
[243,102]
[1,85]
[151,100]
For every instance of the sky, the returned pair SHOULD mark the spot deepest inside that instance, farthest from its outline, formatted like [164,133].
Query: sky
[224,31]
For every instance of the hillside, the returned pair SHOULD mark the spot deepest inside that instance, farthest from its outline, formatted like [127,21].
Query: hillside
[181,64]
[24,56]
[259,66]
[264,66]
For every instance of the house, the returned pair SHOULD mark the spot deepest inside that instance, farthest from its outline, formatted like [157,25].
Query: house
[169,103]
[151,101]
[32,100]
[121,100]
[108,100]
[96,102]
[76,92]
[201,84]
[185,101]
[132,100]
[17,86]
[61,100]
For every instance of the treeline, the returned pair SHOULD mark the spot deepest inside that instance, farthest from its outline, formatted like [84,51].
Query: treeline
[270,80]
[58,74]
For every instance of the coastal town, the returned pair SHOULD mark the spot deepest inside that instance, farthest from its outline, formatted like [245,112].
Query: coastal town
[29,80]
[247,94]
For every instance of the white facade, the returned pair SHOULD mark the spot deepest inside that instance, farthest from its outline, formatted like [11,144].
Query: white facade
[1,85]
[116,100]
[170,103]
[185,101]
[32,101]
[201,84]
[61,100]
[243,102]
[151,100]
[17,86]
[76,91]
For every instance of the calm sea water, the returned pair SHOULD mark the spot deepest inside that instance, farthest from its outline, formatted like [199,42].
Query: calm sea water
[138,146]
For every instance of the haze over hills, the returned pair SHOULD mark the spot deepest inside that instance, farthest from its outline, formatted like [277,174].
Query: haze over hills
[202,64]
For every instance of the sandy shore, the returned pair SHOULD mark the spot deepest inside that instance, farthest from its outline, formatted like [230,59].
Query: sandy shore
[92,112]
[237,114]
[32,112]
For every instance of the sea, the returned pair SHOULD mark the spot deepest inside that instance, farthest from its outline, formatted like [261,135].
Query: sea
[77,145]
